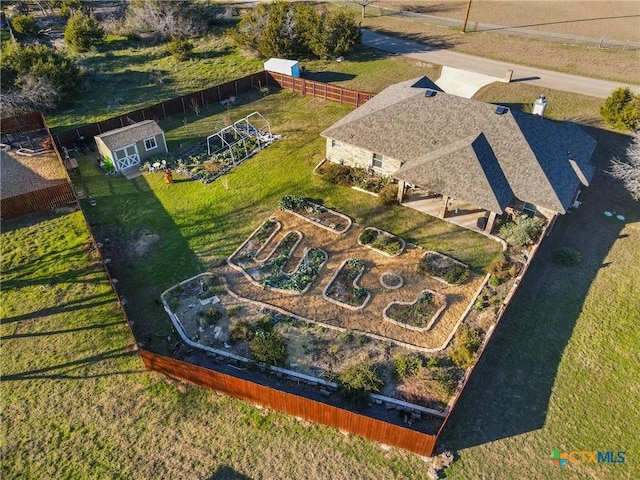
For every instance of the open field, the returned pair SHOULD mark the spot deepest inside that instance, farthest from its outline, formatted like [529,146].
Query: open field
[615,19]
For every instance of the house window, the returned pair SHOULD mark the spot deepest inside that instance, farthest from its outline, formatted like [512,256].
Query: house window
[529,210]
[335,144]
[377,160]
[150,143]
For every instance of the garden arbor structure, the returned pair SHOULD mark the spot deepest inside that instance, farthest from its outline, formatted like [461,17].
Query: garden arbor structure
[241,138]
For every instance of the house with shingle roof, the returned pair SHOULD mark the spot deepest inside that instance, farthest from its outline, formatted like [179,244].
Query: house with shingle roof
[129,146]
[489,156]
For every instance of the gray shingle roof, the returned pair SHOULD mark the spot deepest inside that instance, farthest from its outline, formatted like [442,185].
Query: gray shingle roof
[121,137]
[466,147]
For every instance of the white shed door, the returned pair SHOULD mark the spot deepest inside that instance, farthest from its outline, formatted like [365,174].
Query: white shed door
[126,157]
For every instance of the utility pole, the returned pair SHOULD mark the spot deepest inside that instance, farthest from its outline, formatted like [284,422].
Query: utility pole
[466,17]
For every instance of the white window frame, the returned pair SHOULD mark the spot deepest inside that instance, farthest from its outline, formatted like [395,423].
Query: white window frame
[335,144]
[376,157]
[155,143]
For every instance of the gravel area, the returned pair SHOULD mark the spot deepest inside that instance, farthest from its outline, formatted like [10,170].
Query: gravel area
[21,174]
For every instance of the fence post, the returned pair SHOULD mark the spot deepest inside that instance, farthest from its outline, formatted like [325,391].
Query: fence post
[235,86]
[184,110]
[164,112]
[202,97]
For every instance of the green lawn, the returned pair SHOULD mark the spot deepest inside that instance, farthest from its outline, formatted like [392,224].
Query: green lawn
[562,371]
[78,403]
[202,224]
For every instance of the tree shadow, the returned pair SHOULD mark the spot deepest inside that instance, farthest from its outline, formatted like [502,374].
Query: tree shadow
[508,393]
[72,306]
[227,473]
[328,77]
[62,369]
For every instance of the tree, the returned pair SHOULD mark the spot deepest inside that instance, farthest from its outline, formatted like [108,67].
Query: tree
[162,20]
[622,109]
[281,29]
[34,94]
[629,171]
[364,4]
[21,64]
[83,32]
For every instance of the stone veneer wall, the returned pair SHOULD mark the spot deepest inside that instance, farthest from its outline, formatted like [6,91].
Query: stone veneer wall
[359,157]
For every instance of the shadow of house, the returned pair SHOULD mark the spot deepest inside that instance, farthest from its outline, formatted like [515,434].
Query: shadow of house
[509,392]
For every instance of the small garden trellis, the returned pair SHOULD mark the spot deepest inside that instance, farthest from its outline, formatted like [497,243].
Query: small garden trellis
[239,140]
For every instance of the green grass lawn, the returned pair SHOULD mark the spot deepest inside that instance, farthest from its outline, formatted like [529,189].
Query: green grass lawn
[78,403]
[201,225]
[562,371]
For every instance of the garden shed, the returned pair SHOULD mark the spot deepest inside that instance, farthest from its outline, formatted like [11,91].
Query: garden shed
[129,146]
[281,65]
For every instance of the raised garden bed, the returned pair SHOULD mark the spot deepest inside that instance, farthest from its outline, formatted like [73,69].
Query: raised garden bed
[382,242]
[253,246]
[303,276]
[317,214]
[418,315]
[391,280]
[443,268]
[343,287]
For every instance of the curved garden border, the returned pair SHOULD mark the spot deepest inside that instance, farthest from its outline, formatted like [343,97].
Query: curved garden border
[411,327]
[254,233]
[318,224]
[391,287]
[355,280]
[440,279]
[382,252]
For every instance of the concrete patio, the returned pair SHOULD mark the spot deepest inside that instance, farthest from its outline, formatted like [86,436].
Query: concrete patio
[460,213]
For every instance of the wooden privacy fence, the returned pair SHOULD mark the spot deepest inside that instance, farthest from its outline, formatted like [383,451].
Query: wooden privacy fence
[26,123]
[319,412]
[184,104]
[312,88]
[161,111]
[37,201]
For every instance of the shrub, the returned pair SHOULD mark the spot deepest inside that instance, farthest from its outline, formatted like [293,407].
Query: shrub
[213,315]
[269,347]
[466,343]
[523,230]
[568,257]
[389,194]
[292,202]
[360,293]
[368,236]
[456,274]
[622,109]
[233,311]
[83,32]
[406,365]
[24,24]
[358,380]
[337,174]
[241,331]
[446,379]
[502,269]
[180,48]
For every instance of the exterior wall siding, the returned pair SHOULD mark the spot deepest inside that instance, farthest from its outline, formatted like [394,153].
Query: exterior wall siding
[103,150]
[359,157]
[145,155]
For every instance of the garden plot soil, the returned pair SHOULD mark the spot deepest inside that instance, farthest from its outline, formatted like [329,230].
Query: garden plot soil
[313,306]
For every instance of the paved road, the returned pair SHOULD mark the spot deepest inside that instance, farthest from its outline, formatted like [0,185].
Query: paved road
[494,68]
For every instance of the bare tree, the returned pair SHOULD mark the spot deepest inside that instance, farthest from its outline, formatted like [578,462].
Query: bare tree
[364,4]
[194,105]
[34,94]
[161,20]
[629,171]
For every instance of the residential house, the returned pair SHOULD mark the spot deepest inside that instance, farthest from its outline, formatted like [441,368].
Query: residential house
[490,156]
